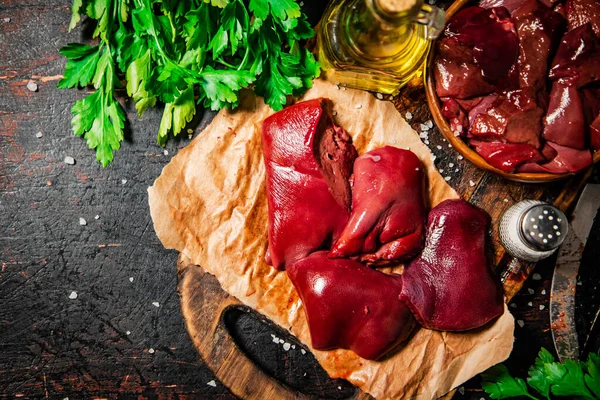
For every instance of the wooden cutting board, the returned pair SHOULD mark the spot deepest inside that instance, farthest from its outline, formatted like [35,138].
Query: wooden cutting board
[204,303]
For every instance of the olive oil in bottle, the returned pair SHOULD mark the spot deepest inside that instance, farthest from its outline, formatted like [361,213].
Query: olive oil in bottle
[377,45]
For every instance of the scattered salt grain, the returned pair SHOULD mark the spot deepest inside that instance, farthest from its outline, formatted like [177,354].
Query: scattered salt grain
[461,390]
[39,135]
[302,351]
[429,123]
[506,200]
[460,157]
[579,283]
[339,388]
[128,333]
[441,171]
[123,181]
[426,141]
[520,323]
[408,116]
[334,113]
[423,135]
[212,383]
[358,106]
[424,127]
[166,152]
[281,341]
[294,346]
[451,165]
[457,169]
[447,178]
[542,307]
[32,86]
[82,221]
[286,346]
[156,304]
[439,147]
[536,277]
[471,183]
[304,374]
[513,305]
[433,157]
[97,217]
[343,88]
[69,160]
[336,87]
[6,20]
[379,96]
[449,145]
[73,295]
[531,291]
[301,4]
[544,291]
[530,304]
[131,279]
[151,350]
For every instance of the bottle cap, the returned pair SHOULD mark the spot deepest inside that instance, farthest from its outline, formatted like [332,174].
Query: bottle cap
[532,230]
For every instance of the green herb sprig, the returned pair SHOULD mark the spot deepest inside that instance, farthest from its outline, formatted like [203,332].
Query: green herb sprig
[571,379]
[183,53]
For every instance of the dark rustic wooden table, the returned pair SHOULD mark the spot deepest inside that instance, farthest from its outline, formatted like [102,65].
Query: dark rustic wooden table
[91,311]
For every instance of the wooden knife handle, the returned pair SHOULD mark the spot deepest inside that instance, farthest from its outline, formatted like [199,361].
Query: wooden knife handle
[203,304]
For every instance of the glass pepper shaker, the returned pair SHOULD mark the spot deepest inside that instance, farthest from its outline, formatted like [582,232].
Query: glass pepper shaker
[532,230]
[377,45]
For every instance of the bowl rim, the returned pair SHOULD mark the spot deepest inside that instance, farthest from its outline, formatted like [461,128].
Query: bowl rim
[461,146]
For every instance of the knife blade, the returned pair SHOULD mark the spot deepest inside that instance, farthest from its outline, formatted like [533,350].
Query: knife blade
[562,295]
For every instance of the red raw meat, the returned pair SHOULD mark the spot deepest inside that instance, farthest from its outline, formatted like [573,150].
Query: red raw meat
[454,113]
[455,71]
[308,162]
[450,286]
[351,306]
[566,160]
[580,12]
[577,60]
[591,108]
[510,5]
[539,29]
[564,123]
[388,214]
[506,156]
[514,117]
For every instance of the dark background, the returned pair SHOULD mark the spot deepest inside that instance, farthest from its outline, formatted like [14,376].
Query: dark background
[111,340]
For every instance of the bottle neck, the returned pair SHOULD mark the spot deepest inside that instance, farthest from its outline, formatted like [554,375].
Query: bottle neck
[379,29]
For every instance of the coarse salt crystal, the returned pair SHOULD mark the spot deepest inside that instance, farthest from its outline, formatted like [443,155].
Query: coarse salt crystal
[531,291]
[293,346]
[513,305]
[301,4]
[530,304]
[457,169]
[521,323]
[286,346]
[334,113]
[439,147]
[379,96]
[416,169]
[7,20]
[460,157]
[339,388]
[544,291]
[461,390]
[429,123]
[166,152]
[302,351]
[123,181]
[39,135]
[447,178]
[156,304]
[536,277]
[471,183]
[451,165]
[128,333]
[281,341]
[433,157]
[408,116]
[69,160]
[426,141]
[506,200]
[212,383]
[82,221]
[131,279]
[336,87]
[449,145]
[343,88]
[423,135]
[441,171]
[97,217]
[424,127]
[275,340]
[32,86]
[358,106]
[542,307]
[73,295]
[151,350]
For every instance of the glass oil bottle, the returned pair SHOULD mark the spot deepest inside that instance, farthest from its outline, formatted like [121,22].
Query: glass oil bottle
[377,45]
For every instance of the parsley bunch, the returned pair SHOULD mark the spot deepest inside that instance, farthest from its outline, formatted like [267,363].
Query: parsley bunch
[572,379]
[183,53]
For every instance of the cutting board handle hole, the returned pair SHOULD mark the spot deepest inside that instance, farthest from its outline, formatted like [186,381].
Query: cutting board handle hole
[256,337]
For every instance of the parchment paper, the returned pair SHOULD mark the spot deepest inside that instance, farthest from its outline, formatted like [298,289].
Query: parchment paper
[210,204]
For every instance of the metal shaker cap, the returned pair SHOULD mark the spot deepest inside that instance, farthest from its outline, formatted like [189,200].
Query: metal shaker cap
[532,230]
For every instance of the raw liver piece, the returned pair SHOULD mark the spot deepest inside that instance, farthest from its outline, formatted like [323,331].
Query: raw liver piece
[308,162]
[456,74]
[577,60]
[580,12]
[388,214]
[539,29]
[566,160]
[506,156]
[514,117]
[455,114]
[510,5]
[351,306]
[591,108]
[564,123]
[450,286]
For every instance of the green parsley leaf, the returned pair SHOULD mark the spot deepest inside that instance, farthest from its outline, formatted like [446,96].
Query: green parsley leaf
[567,379]
[499,384]
[177,115]
[75,14]
[537,377]
[220,87]
[138,73]
[81,65]
[592,378]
